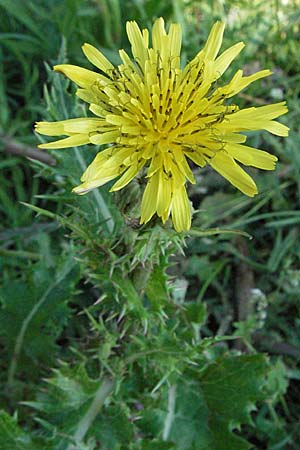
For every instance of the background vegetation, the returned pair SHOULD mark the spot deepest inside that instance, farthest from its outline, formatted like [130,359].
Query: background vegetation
[117,337]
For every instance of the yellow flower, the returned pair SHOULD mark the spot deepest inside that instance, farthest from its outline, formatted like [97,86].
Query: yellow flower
[158,116]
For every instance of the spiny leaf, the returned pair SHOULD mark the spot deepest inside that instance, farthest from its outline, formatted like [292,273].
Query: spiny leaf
[201,412]
[13,437]
[73,405]
[33,313]
[156,288]
[232,385]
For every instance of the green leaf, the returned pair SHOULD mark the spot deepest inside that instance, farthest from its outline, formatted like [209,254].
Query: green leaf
[277,383]
[154,445]
[186,428]
[231,387]
[33,313]
[73,406]
[10,434]
[156,288]
[201,412]
[69,389]
[12,437]
[196,312]
[127,289]
[113,427]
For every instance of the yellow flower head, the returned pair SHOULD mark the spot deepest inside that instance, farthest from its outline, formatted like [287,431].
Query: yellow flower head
[157,116]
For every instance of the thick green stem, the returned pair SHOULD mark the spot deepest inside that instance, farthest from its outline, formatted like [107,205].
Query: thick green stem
[171,413]
[83,426]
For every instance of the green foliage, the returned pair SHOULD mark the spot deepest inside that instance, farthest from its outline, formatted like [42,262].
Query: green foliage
[201,410]
[34,312]
[12,436]
[231,387]
[118,336]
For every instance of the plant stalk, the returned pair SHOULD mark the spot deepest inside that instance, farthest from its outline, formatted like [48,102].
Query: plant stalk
[103,391]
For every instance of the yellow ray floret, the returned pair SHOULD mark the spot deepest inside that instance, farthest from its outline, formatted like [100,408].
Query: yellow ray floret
[156,117]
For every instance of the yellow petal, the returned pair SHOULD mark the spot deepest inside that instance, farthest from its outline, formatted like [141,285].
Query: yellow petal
[107,163]
[86,95]
[105,138]
[269,111]
[139,42]
[196,157]
[156,163]
[72,141]
[214,40]
[83,77]
[96,166]
[183,165]
[238,82]
[172,167]
[226,58]
[229,169]
[181,210]
[251,156]
[97,58]
[235,138]
[277,128]
[87,186]
[83,125]
[251,119]
[50,128]
[175,37]
[148,207]
[164,195]
[158,31]
[106,166]
[127,176]
[97,110]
